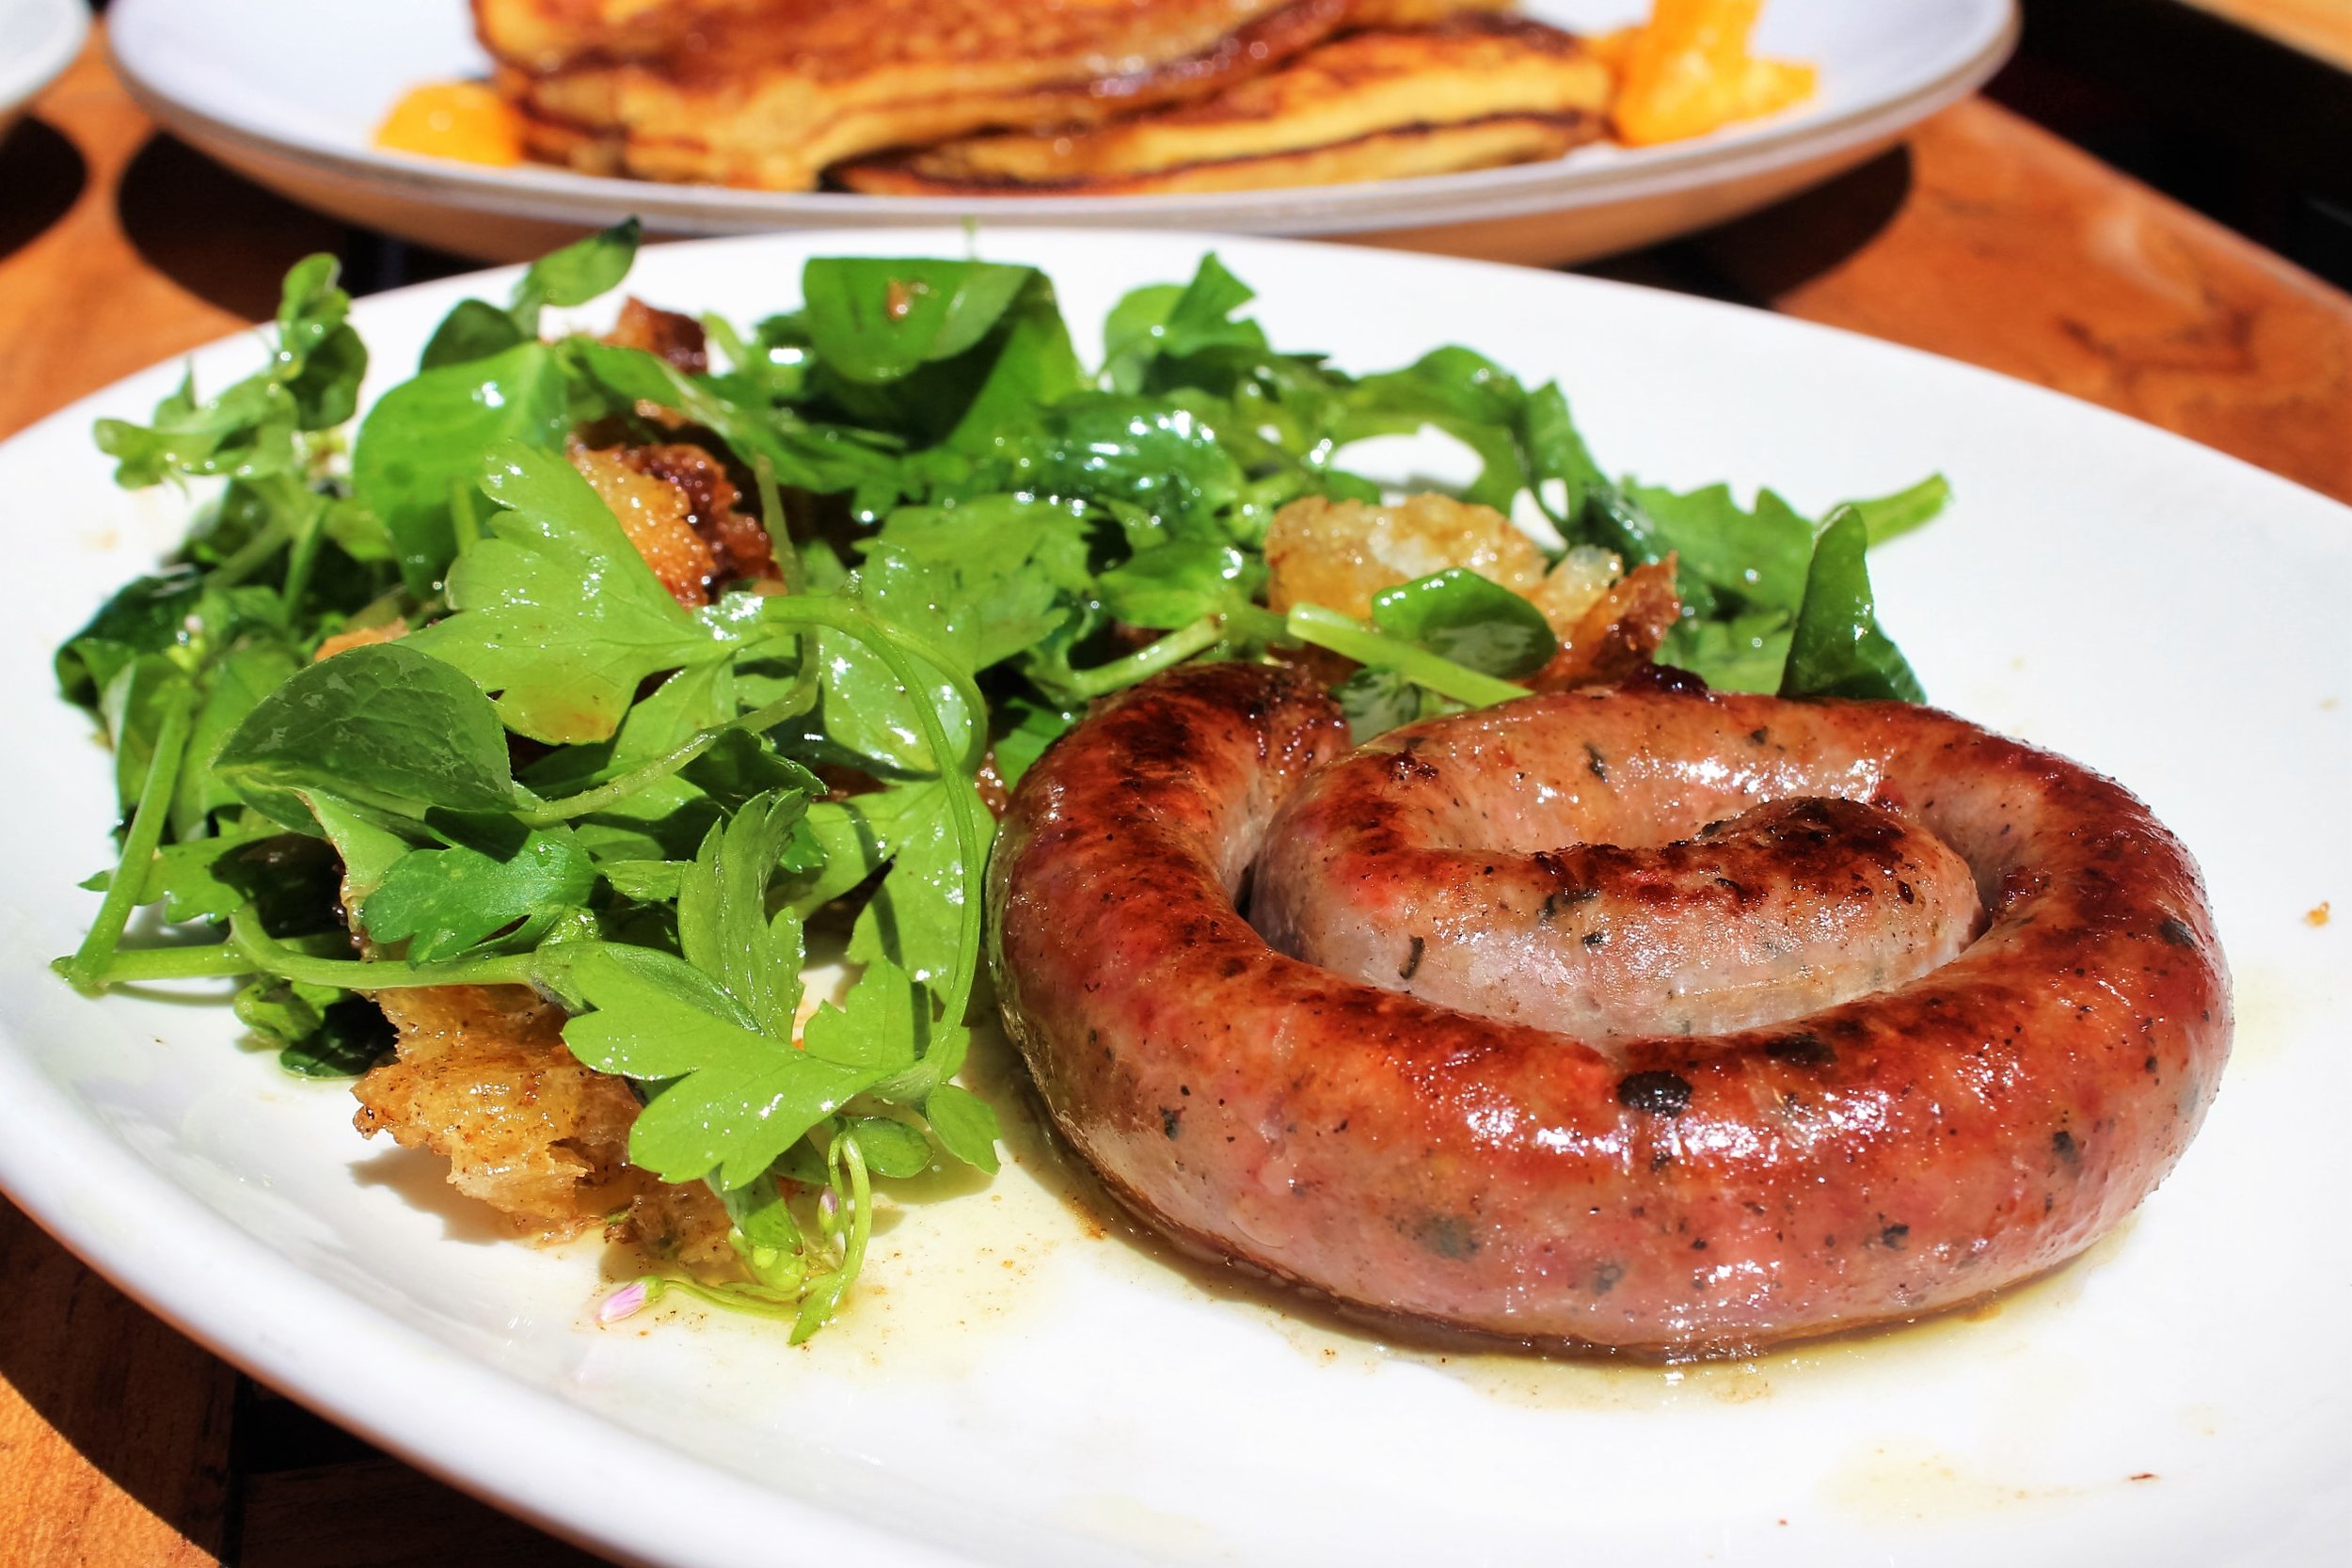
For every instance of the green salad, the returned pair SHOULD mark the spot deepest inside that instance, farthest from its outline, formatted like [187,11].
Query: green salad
[562,777]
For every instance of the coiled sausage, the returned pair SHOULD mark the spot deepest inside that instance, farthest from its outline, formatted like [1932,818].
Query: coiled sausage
[1888,1147]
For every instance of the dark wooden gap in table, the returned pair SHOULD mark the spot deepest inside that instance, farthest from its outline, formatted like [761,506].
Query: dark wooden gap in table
[309,1494]
[2237,124]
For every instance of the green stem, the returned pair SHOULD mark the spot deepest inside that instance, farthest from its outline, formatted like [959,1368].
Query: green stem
[268,956]
[846,1156]
[209,961]
[251,556]
[97,951]
[216,961]
[1328,628]
[463,521]
[1257,623]
[1170,651]
[300,559]
[779,531]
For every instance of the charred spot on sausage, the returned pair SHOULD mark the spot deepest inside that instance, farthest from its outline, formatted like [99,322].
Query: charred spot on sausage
[1665,1094]
[1405,766]
[1802,1050]
[1412,960]
[2175,931]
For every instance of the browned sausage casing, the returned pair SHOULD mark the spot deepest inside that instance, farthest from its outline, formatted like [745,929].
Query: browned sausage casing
[1869,1161]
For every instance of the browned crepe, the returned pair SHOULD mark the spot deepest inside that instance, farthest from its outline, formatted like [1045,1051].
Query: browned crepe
[767,93]
[1380,104]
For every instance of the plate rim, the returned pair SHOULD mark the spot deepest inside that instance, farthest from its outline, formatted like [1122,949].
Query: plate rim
[169,1250]
[552,194]
[24,79]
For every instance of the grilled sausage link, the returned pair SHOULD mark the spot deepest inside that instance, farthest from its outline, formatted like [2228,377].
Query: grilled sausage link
[1871,1155]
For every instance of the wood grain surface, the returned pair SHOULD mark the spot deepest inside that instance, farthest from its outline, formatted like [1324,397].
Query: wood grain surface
[1983,238]
[1992,241]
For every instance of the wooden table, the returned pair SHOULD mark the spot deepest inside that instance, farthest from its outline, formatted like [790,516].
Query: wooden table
[1984,239]
[2320,28]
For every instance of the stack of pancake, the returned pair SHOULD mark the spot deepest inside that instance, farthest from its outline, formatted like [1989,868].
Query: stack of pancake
[1020,97]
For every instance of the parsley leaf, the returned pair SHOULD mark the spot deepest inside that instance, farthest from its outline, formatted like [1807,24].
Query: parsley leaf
[444,901]
[965,1125]
[723,926]
[558,617]
[732,1099]
[913,920]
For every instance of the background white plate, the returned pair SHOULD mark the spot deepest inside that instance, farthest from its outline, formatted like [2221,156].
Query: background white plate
[1013,1385]
[37,40]
[289,91]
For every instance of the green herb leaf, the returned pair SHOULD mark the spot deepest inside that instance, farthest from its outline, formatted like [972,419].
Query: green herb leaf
[248,429]
[1837,649]
[187,879]
[877,320]
[320,359]
[1376,702]
[875,1027]
[239,682]
[1173,584]
[892,1148]
[852,839]
[382,724]
[820,457]
[914,919]
[1168,321]
[723,926]
[443,901]
[427,435]
[733,1099]
[1463,617]
[964,1125]
[1755,557]
[473,330]
[149,615]
[559,618]
[283,1011]
[1892,516]
[352,1034]
[580,271]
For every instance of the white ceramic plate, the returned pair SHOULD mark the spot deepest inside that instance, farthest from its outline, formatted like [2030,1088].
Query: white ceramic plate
[289,91]
[1014,1387]
[37,40]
